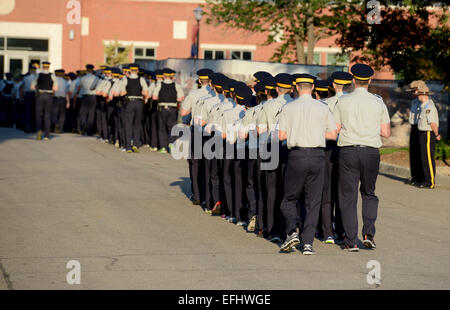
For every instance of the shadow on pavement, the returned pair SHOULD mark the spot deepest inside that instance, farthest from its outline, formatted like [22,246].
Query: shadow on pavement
[185,186]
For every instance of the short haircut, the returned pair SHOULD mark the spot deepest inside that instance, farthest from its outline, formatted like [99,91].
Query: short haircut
[304,86]
[361,83]
[322,94]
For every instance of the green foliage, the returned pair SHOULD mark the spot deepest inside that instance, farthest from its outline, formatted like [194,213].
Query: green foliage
[442,149]
[116,54]
[412,39]
[290,22]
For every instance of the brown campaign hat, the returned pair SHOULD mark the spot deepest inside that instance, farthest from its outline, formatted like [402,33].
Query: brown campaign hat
[422,88]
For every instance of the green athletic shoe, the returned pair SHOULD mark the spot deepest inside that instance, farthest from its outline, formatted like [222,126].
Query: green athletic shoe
[153,149]
[162,150]
[171,146]
[39,135]
[129,151]
[135,149]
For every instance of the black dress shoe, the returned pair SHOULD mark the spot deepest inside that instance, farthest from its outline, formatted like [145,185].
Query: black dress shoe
[424,185]
[409,181]
[196,202]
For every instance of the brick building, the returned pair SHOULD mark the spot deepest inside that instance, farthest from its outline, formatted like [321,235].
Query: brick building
[38,30]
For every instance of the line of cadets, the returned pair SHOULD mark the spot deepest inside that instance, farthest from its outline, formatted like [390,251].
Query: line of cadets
[128,108]
[132,107]
[246,118]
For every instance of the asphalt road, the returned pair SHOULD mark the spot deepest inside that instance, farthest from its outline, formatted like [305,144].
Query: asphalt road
[127,219]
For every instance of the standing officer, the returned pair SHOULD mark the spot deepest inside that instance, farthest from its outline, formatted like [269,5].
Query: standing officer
[29,98]
[341,83]
[362,119]
[87,86]
[305,123]
[428,125]
[415,162]
[46,84]
[61,101]
[136,91]
[168,94]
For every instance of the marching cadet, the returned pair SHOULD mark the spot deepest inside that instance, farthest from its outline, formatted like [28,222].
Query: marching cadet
[17,103]
[136,91]
[157,77]
[87,86]
[71,115]
[188,106]
[29,98]
[61,101]
[428,125]
[213,120]
[45,84]
[247,132]
[267,121]
[341,83]
[270,85]
[305,123]
[320,89]
[122,103]
[102,94]
[114,121]
[415,162]
[6,100]
[232,175]
[168,93]
[362,119]
[210,163]
[78,98]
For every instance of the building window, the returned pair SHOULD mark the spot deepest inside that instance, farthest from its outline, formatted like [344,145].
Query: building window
[337,60]
[242,55]
[142,53]
[317,58]
[2,43]
[16,44]
[213,54]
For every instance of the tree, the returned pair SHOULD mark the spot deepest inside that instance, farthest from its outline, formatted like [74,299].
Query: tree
[412,38]
[294,22]
[116,54]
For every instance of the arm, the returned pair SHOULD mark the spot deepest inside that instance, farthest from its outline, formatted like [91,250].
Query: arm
[331,135]
[435,129]
[385,130]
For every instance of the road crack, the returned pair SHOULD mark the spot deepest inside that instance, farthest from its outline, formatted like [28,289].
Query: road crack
[5,275]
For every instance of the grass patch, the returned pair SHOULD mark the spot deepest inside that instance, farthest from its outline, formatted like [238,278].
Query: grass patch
[390,150]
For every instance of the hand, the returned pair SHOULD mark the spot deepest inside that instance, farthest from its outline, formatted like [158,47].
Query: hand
[438,138]
[67,105]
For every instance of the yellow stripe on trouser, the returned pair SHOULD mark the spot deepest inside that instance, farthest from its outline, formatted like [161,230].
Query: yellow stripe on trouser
[429,159]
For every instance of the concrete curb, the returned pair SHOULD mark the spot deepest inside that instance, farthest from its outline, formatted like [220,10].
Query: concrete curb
[403,172]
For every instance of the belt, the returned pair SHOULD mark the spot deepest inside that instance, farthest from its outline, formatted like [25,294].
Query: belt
[135,98]
[46,91]
[359,145]
[168,105]
[299,148]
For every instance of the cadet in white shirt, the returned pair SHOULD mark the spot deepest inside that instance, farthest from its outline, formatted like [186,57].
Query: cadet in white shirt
[267,122]
[29,98]
[88,84]
[61,101]
[232,171]
[304,123]
[342,83]
[188,106]
[362,119]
